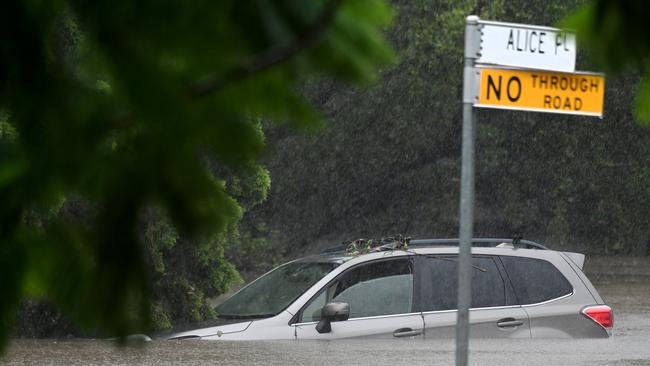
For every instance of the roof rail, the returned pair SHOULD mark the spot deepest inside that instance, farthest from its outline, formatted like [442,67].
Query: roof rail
[477,242]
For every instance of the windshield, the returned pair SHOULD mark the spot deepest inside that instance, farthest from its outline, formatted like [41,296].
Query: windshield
[273,292]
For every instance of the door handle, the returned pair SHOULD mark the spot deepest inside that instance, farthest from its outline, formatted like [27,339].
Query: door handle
[509,322]
[406,332]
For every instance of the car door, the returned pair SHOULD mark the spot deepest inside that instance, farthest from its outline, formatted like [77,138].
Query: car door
[380,295]
[494,312]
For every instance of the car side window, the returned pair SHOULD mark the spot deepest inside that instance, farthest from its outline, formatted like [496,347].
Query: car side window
[535,280]
[379,288]
[439,283]
[488,287]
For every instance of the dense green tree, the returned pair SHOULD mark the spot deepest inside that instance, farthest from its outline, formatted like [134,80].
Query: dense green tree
[136,108]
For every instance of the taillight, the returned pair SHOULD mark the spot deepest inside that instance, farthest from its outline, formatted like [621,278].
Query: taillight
[601,314]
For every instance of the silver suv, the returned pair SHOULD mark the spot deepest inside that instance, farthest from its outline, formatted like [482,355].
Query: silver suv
[407,289]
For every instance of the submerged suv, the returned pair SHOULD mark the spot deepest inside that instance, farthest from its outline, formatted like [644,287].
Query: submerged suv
[519,290]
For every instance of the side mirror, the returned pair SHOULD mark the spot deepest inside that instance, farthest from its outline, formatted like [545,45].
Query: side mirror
[332,312]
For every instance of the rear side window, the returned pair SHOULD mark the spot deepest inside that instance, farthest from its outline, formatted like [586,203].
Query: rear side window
[439,283]
[535,280]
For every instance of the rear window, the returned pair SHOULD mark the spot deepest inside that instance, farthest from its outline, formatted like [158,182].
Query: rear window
[535,280]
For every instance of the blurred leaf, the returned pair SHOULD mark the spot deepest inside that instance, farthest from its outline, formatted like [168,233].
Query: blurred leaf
[643,102]
[616,33]
[102,108]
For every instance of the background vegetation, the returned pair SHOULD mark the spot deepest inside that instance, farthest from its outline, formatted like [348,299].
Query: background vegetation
[389,161]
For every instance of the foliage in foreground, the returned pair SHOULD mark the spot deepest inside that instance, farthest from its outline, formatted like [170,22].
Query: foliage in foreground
[142,108]
[616,32]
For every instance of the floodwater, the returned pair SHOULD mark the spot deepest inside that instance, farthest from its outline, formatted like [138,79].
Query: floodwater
[624,286]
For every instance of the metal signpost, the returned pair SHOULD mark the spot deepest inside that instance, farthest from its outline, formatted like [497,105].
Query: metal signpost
[495,53]
[472,46]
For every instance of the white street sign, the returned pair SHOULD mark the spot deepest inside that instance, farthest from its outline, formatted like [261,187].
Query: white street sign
[527,46]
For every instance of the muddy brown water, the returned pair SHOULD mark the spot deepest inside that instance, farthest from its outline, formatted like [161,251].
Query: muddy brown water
[623,283]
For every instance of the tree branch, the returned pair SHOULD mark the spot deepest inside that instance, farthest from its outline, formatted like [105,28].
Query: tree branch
[271,57]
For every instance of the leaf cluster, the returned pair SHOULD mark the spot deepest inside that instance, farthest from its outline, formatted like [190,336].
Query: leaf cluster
[120,103]
[616,34]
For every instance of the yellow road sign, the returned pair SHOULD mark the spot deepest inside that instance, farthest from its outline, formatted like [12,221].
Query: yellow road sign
[540,91]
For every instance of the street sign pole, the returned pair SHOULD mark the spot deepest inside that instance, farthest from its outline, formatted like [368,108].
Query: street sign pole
[472,52]
[535,72]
